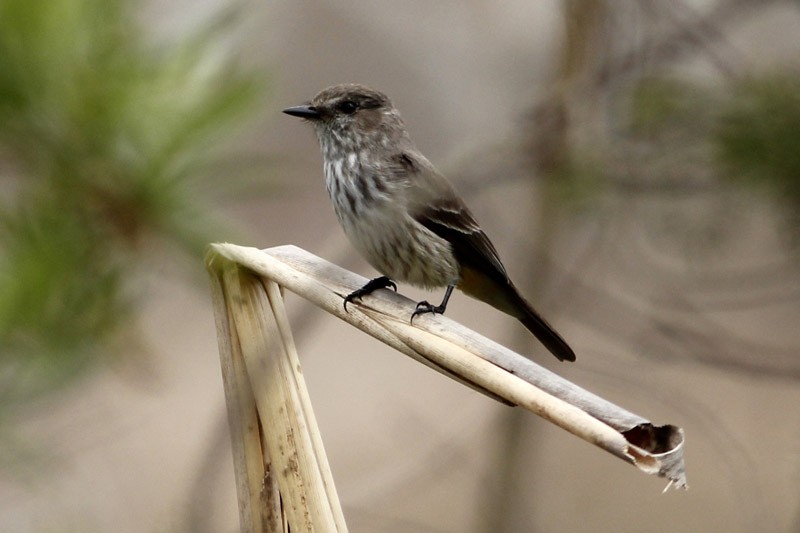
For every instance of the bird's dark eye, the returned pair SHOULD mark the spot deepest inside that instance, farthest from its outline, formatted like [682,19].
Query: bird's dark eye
[348,107]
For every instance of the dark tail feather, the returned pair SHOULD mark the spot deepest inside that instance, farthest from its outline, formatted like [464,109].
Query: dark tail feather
[537,325]
[501,294]
[547,335]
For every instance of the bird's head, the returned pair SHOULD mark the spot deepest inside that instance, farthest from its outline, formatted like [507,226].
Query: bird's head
[352,115]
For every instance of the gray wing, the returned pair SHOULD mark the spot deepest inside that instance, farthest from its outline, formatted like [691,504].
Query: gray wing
[434,203]
[451,220]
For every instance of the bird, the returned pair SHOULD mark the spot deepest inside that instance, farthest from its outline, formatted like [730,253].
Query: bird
[402,215]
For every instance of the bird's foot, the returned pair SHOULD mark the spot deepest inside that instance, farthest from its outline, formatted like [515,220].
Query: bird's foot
[426,307]
[372,285]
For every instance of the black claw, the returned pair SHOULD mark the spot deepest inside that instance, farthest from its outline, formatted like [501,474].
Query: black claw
[372,285]
[426,307]
[349,298]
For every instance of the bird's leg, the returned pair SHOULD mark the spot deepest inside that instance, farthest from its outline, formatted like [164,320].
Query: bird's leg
[382,282]
[425,307]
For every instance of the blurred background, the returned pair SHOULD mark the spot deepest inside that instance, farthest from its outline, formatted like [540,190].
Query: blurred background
[637,165]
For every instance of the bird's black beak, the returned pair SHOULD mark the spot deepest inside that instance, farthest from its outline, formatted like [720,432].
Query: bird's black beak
[306,111]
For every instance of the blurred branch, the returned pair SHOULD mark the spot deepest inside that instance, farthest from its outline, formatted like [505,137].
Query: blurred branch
[697,32]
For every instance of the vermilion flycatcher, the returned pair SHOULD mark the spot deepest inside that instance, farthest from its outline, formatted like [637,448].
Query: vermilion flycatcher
[403,216]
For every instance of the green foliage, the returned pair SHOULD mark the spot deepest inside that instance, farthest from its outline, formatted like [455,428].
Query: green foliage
[663,104]
[748,133]
[758,137]
[103,137]
[680,137]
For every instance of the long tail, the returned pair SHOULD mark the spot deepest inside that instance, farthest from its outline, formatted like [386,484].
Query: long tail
[505,297]
[544,332]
